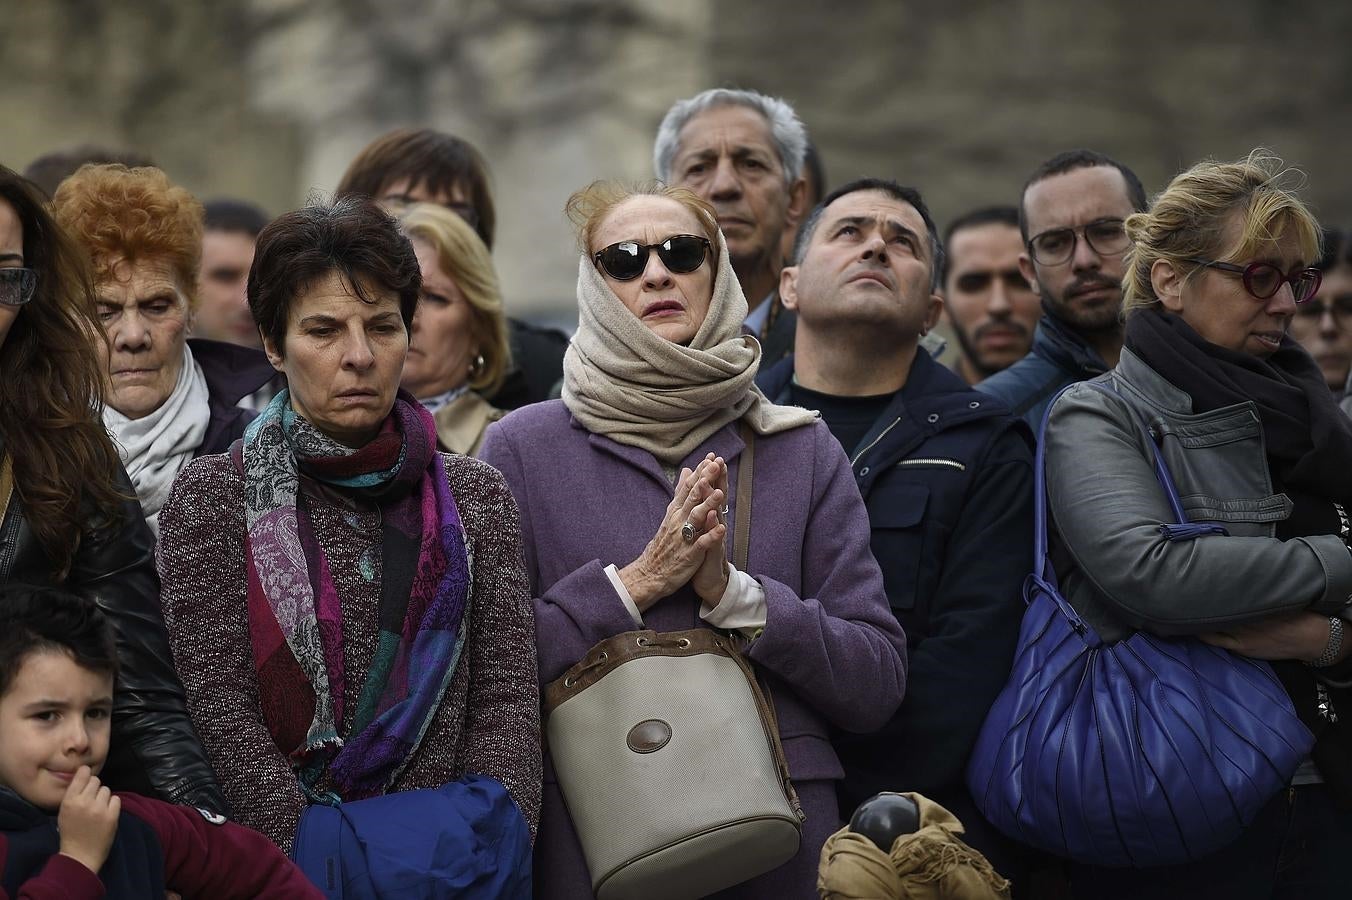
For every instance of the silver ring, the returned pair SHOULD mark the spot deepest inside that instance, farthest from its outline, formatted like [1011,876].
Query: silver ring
[724,510]
[688,533]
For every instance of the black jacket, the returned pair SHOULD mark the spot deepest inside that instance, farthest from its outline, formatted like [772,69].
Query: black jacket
[537,365]
[232,373]
[155,750]
[1059,357]
[947,476]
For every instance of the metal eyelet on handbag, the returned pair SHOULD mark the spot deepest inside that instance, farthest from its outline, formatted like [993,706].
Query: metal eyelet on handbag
[683,643]
[642,642]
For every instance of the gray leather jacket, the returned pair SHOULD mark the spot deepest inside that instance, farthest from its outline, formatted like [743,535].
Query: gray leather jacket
[1107,506]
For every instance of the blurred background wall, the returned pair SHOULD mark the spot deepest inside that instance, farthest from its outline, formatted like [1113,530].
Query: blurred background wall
[269,99]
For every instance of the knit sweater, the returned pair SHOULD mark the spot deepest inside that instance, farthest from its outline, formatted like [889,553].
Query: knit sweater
[488,722]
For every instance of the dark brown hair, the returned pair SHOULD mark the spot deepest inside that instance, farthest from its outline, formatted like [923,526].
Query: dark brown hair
[354,237]
[437,161]
[34,619]
[53,377]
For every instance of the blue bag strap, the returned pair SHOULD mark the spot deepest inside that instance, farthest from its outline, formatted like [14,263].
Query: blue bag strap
[1180,530]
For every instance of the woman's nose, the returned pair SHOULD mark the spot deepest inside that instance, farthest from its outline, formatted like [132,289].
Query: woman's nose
[655,274]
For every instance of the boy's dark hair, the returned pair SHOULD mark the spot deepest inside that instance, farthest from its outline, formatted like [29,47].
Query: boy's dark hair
[1071,160]
[34,619]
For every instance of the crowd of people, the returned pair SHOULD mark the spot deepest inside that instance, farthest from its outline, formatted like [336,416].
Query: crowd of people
[294,515]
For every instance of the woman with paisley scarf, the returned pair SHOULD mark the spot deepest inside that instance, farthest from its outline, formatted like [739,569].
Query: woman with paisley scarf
[1262,461]
[624,491]
[346,605]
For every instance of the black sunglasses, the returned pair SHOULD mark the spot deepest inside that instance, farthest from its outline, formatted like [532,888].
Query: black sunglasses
[626,260]
[1263,280]
[17,286]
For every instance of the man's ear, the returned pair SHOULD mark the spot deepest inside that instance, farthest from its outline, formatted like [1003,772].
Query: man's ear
[797,207]
[1029,273]
[274,356]
[788,287]
[936,309]
[1168,284]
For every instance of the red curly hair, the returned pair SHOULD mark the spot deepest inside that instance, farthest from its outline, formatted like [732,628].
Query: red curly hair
[115,213]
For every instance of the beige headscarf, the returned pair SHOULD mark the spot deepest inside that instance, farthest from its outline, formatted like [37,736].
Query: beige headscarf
[623,381]
[931,864]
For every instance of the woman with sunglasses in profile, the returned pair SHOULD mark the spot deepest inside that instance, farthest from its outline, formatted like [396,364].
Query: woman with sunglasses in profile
[1256,445]
[68,514]
[624,493]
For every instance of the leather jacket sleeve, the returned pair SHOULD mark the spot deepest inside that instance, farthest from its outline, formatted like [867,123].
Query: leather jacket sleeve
[155,749]
[1107,506]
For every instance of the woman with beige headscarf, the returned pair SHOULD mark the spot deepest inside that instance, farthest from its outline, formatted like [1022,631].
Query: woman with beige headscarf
[623,490]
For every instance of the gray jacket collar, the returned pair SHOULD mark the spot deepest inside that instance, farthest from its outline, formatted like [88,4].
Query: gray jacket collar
[1152,387]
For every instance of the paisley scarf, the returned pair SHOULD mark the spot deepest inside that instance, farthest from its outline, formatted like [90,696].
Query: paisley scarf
[295,615]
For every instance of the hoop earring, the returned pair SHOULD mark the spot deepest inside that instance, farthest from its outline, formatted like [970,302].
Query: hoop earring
[476,367]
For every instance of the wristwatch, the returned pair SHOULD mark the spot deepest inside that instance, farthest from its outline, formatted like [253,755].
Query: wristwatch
[1333,647]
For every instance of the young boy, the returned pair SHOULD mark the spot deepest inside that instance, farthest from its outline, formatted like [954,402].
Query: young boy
[62,833]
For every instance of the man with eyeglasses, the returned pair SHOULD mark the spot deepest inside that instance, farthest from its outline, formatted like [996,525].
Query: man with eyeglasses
[946,475]
[743,152]
[990,306]
[1070,217]
[420,165]
[1323,324]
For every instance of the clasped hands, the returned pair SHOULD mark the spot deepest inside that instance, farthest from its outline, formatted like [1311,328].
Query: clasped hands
[670,561]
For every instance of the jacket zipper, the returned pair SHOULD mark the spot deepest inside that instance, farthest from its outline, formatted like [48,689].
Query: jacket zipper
[873,443]
[933,461]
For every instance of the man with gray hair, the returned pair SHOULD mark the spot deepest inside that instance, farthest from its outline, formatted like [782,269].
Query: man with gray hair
[743,152]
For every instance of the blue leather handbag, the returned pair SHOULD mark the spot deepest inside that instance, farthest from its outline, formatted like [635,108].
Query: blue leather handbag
[465,840]
[1148,751]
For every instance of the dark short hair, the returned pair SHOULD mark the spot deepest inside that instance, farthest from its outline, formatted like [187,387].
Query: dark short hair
[975,218]
[50,169]
[226,214]
[36,618]
[434,159]
[899,192]
[353,236]
[1069,161]
[1335,247]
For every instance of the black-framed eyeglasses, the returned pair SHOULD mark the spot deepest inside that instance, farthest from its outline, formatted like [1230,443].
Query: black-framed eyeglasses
[1340,307]
[17,286]
[626,260]
[1263,280]
[1106,237]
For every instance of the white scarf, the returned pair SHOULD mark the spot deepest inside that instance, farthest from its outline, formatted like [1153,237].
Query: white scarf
[155,448]
[622,380]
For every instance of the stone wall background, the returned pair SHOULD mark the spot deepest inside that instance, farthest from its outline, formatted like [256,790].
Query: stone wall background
[269,99]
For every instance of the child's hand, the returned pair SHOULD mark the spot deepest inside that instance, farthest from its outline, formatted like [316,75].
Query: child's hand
[88,820]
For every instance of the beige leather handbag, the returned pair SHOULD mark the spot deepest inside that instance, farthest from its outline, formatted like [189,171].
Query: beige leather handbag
[668,756]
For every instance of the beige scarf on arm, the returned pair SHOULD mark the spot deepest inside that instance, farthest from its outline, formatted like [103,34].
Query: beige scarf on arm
[623,381]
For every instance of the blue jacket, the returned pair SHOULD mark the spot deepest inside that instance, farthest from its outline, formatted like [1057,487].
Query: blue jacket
[947,477]
[1059,357]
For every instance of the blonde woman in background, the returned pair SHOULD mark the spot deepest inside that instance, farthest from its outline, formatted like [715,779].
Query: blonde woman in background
[458,348]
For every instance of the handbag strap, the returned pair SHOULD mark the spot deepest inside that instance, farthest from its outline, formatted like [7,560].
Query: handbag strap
[741,526]
[1179,530]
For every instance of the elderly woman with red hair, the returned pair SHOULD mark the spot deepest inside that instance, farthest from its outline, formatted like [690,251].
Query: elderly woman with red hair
[169,399]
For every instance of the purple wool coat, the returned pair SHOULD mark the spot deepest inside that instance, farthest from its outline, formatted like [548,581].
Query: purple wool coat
[832,653]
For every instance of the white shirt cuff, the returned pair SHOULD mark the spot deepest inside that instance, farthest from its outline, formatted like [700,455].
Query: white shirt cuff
[613,574]
[742,606]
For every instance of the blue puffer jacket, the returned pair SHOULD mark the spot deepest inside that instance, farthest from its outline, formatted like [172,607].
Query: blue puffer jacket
[1059,357]
[947,476]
